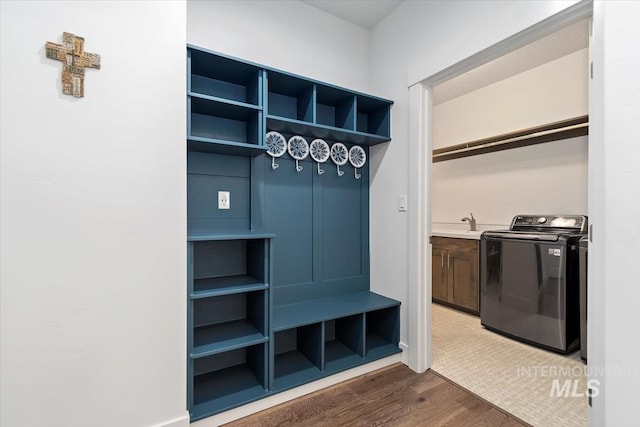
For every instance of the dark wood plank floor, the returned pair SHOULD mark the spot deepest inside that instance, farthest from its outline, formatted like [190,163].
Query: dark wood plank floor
[393,396]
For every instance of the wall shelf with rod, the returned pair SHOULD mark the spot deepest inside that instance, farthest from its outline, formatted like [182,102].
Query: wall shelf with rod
[564,129]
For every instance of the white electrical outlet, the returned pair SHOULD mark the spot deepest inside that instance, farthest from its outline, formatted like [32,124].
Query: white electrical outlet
[224,200]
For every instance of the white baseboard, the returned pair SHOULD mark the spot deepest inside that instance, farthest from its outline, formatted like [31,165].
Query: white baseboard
[285,396]
[182,421]
[405,352]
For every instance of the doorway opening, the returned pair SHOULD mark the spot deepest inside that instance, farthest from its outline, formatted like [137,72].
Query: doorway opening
[441,320]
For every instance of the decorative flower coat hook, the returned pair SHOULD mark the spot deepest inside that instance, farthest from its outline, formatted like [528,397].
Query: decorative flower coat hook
[319,151]
[298,149]
[339,155]
[357,158]
[276,147]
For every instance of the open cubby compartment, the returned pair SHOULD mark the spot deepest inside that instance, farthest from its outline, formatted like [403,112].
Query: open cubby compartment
[373,116]
[344,343]
[229,379]
[220,122]
[224,78]
[335,107]
[297,356]
[290,97]
[229,321]
[223,267]
[382,332]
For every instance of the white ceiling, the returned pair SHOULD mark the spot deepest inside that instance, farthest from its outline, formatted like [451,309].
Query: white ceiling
[365,13]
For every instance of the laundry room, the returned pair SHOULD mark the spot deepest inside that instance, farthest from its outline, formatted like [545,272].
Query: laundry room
[510,140]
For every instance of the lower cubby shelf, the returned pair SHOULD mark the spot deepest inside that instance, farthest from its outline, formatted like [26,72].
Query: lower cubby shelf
[318,338]
[297,356]
[382,333]
[344,343]
[228,322]
[228,379]
[237,363]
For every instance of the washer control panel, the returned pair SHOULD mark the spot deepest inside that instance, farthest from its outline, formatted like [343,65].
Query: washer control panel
[575,223]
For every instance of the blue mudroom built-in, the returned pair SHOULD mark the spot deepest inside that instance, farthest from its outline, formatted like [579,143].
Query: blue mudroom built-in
[278,232]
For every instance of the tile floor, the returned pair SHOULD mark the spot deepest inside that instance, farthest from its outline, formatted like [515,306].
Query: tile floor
[519,378]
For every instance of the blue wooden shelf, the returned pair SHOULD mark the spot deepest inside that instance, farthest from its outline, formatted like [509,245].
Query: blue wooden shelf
[223,77]
[225,389]
[378,347]
[212,118]
[223,103]
[210,145]
[304,313]
[213,287]
[338,357]
[228,235]
[292,369]
[286,125]
[291,97]
[221,337]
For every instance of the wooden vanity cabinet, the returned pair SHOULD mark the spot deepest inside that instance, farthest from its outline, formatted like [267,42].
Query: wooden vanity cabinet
[455,278]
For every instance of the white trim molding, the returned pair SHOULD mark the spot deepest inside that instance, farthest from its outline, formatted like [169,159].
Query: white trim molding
[419,268]
[182,421]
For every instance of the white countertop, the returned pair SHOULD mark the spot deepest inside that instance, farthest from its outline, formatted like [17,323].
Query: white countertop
[461,230]
[457,234]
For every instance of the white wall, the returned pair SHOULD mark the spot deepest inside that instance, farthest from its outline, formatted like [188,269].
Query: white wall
[418,40]
[550,92]
[548,178]
[93,322]
[288,35]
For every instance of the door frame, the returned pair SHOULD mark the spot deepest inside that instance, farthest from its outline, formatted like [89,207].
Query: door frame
[420,166]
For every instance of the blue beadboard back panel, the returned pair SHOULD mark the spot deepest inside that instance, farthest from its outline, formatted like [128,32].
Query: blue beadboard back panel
[288,213]
[208,173]
[321,223]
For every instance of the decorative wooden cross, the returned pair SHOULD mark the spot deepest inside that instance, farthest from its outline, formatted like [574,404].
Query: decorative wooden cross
[75,59]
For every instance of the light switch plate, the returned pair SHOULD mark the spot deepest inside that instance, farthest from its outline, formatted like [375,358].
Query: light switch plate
[224,200]
[402,203]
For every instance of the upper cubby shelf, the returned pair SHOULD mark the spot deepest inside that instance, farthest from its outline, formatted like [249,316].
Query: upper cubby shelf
[222,77]
[373,116]
[233,103]
[335,108]
[290,97]
[304,107]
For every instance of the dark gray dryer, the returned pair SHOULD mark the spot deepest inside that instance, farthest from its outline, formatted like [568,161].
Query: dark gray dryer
[529,282]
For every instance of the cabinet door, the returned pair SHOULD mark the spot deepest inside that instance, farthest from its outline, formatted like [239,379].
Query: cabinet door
[463,279]
[439,274]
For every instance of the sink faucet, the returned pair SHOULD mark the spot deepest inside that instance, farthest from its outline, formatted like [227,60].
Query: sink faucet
[472,222]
